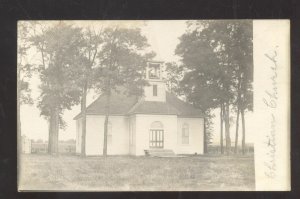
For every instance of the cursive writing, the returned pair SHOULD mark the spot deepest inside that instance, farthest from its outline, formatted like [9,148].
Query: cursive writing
[270,100]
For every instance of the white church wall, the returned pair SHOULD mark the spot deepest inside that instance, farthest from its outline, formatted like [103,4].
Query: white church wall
[196,135]
[161,91]
[143,123]
[95,135]
[130,135]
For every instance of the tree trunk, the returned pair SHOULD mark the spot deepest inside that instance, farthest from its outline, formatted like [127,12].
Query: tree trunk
[227,129]
[243,131]
[237,131]
[238,110]
[83,110]
[205,137]
[56,132]
[53,132]
[50,138]
[107,110]
[221,129]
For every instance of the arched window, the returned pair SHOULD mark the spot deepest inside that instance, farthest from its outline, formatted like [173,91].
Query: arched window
[185,134]
[109,133]
[156,125]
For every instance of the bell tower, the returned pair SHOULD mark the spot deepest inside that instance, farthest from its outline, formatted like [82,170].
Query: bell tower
[156,91]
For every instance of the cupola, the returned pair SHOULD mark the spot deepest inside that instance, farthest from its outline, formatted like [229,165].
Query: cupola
[156,91]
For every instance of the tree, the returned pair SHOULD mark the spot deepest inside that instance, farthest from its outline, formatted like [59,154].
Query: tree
[174,76]
[179,83]
[209,53]
[200,71]
[246,102]
[24,70]
[91,47]
[122,61]
[246,99]
[59,47]
[221,127]
[241,53]
[217,33]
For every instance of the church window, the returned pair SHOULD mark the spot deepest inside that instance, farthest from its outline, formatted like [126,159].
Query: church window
[185,134]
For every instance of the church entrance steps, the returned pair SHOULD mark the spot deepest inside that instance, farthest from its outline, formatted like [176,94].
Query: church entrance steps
[160,153]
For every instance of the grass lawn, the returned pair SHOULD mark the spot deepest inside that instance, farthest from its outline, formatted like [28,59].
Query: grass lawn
[123,173]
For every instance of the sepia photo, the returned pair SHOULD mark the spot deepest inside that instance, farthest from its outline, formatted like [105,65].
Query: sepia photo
[153,105]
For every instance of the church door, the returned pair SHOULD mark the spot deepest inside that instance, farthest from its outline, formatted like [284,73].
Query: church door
[156,138]
[156,135]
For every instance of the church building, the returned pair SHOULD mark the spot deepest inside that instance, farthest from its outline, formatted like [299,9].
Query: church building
[157,121]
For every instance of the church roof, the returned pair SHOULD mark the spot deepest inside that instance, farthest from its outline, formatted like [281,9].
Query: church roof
[147,107]
[185,109]
[122,104]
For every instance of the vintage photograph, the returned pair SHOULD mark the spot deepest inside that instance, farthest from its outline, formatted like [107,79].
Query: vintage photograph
[136,105]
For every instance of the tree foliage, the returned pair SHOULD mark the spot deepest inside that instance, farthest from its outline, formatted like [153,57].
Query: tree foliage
[174,74]
[25,68]
[23,73]
[122,60]
[215,56]
[62,65]
[62,61]
[121,63]
[90,49]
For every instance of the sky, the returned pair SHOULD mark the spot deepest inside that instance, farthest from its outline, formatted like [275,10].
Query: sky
[163,37]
